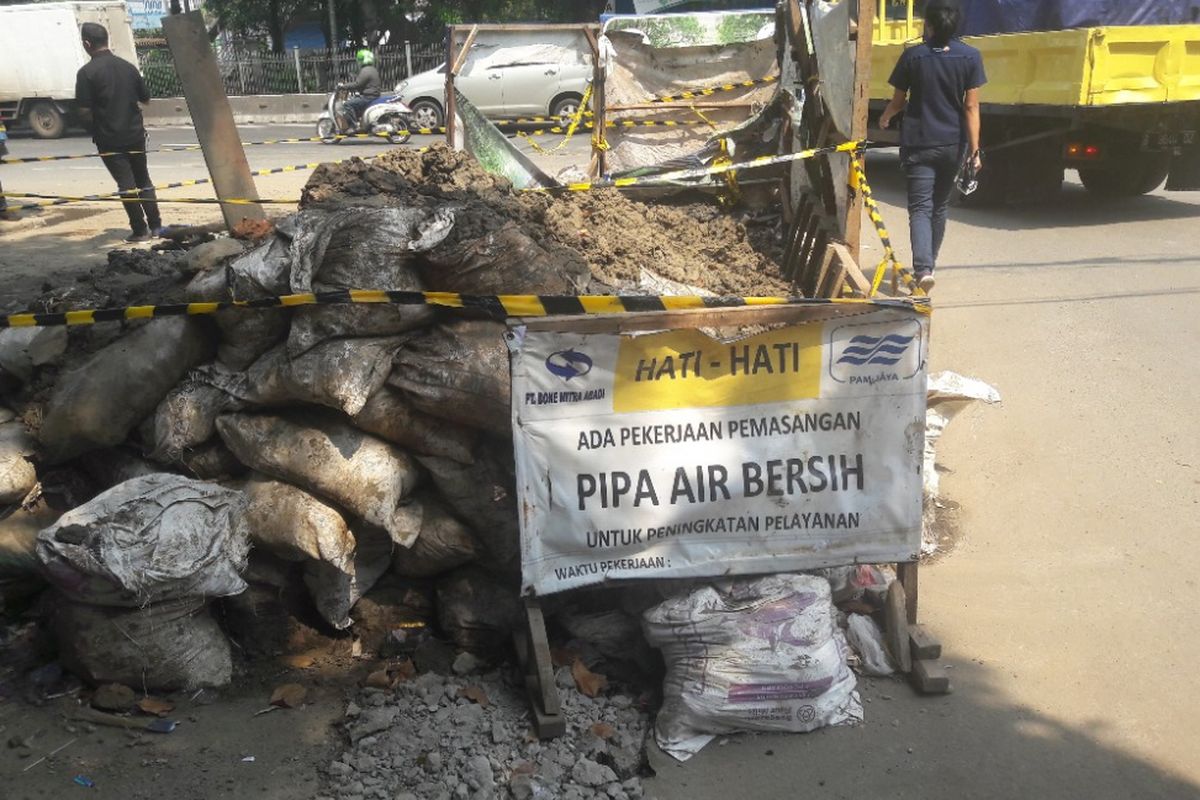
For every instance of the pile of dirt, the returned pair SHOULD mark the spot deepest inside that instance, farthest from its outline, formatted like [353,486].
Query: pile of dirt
[697,244]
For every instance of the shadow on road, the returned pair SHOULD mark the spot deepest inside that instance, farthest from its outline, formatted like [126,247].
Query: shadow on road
[973,744]
[1072,208]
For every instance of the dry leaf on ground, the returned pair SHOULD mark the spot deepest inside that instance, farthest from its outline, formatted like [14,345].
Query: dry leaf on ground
[289,695]
[588,682]
[156,706]
[475,694]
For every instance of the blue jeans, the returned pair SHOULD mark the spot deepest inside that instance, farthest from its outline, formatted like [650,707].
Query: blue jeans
[930,172]
[357,106]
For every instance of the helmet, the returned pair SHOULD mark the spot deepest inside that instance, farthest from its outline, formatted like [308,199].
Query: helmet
[364,57]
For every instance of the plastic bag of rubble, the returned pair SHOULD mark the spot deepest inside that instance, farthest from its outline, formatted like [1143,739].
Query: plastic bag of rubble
[338,373]
[505,261]
[444,543]
[17,475]
[389,416]
[483,493]
[185,419]
[478,611]
[24,349]
[371,250]
[323,455]
[867,640]
[18,538]
[97,404]
[154,538]
[171,645]
[459,372]
[756,654]
[335,589]
[294,525]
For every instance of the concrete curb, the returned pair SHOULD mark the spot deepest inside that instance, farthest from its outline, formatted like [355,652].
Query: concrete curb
[271,108]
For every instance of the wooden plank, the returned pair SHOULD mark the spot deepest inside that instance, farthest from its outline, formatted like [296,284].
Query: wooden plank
[929,677]
[906,573]
[853,275]
[895,631]
[599,109]
[832,274]
[466,50]
[858,120]
[451,104]
[814,262]
[922,643]
[688,318]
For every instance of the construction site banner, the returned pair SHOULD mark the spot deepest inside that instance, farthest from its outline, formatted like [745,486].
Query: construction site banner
[674,454]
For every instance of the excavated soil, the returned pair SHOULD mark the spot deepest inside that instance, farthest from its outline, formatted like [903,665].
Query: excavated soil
[697,244]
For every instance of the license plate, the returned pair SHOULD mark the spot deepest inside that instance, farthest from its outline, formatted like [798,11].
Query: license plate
[1169,140]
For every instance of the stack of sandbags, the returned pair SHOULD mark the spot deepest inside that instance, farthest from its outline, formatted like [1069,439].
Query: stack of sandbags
[133,570]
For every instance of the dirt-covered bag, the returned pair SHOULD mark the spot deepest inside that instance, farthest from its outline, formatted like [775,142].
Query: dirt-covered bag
[758,654]
[294,525]
[18,539]
[17,475]
[154,538]
[389,416]
[185,419]
[335,590]
[505,261]
[323,455]
[477,610]
[483,494]
[338,373]
[458,371]
[444,543]
[100,402]
[168,646]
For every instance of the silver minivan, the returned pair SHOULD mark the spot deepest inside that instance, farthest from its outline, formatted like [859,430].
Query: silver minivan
[503,82]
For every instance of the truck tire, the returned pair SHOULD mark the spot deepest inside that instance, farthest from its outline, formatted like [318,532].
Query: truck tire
[1136,175]
[46,120]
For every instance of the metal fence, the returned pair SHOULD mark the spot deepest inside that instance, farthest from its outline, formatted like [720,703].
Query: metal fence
[250,73]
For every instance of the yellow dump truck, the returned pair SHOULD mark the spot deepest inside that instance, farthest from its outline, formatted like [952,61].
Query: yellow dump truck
[1120,104]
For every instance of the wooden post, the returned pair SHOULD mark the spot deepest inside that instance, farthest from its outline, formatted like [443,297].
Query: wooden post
[212,117]
[599,106]
[454,62]
[858,122]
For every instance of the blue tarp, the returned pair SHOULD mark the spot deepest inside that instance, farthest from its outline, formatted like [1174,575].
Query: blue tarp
[1011,16]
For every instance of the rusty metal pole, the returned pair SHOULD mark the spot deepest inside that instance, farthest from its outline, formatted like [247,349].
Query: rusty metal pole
[212,116]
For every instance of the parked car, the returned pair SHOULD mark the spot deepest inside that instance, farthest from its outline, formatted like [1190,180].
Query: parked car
[506,82]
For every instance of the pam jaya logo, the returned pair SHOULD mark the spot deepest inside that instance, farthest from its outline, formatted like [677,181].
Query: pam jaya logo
[884,351]
[568,364]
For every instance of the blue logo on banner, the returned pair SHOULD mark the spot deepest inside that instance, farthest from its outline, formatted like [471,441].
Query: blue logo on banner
[881,350]
[568,364]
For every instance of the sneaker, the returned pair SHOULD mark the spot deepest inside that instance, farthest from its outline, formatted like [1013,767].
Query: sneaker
[143,236]
[925,281]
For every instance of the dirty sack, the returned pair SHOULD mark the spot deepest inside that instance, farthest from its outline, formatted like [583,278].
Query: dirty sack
[389,416]
[477,610]
[483,493]
[154,538]
[444,544]
[866,639]
[171,645]
[185,419]
[323,455]
[97,404]
[335,590]
[505,261]
[24,349]
[757,654]
[294,525]
[458,371]
[19,529]
[338,373]
[17,475]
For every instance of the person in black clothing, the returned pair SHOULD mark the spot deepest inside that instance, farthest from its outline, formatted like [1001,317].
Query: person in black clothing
[937,87]
[107,92]
[367,84]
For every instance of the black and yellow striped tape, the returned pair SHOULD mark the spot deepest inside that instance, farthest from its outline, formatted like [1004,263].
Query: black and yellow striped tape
[889,252]
[230,201]
[505,305]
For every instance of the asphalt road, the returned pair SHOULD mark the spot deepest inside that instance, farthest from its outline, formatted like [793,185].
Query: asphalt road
[88,175]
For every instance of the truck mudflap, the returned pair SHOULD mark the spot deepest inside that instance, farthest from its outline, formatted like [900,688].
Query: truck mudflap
[1185,171]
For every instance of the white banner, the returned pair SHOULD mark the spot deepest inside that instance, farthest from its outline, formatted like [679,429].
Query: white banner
[674,454]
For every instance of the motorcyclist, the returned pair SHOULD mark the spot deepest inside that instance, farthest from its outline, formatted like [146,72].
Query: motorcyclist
[366,85]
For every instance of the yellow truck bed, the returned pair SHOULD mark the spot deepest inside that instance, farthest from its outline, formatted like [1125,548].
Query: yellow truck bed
[1091,67]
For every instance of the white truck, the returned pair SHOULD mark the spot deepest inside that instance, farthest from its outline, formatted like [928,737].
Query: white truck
[40,53]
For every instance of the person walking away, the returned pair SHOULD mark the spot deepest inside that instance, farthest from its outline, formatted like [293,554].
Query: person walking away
[5,214]
[937,87]
[108,90]
[367,84]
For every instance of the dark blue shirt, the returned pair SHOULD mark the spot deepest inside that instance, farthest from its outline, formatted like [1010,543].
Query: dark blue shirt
[936,78]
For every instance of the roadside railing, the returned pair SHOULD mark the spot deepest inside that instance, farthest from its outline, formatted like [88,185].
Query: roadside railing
[294,72]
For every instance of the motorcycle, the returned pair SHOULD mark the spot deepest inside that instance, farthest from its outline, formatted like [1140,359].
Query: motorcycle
[385,116]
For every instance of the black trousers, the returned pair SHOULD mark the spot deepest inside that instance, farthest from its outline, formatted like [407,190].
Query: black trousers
[130,172]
